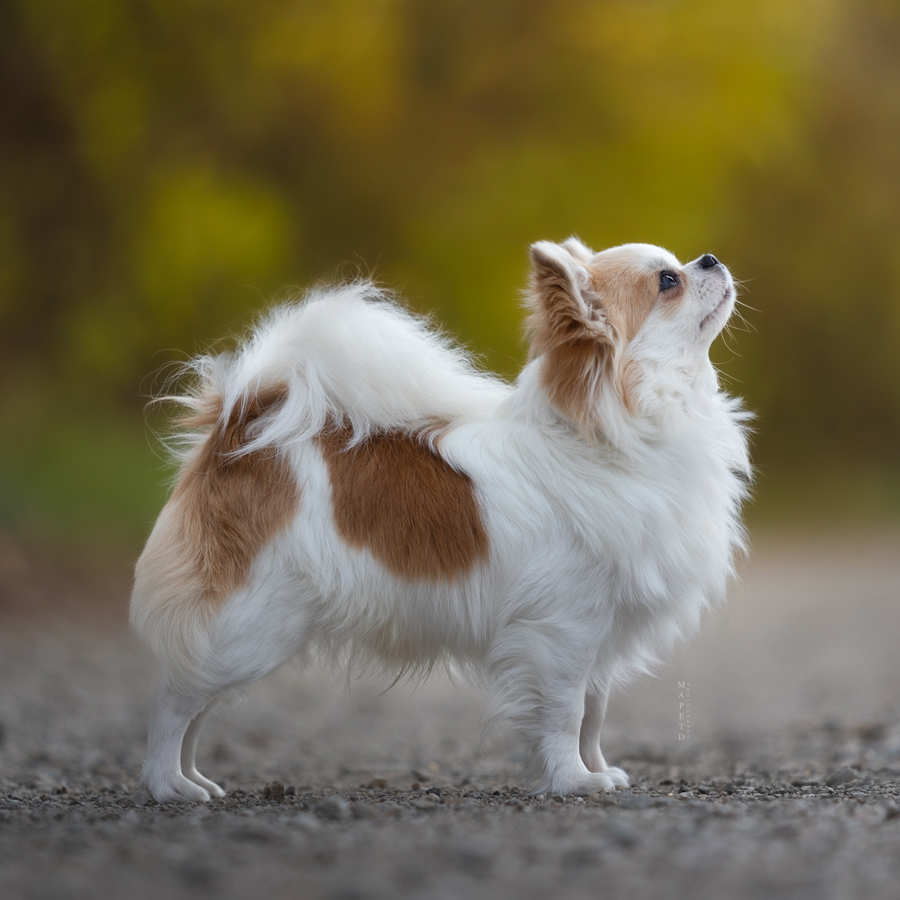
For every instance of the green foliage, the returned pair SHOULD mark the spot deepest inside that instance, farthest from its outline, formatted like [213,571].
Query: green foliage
[167,168]
[77,476]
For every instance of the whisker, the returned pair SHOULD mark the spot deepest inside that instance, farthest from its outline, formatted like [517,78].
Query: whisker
[746,325]
[750,326]
[726,336]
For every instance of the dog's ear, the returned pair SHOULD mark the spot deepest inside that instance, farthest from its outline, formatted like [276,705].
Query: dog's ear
[571,331]
[565,308]
[578,250]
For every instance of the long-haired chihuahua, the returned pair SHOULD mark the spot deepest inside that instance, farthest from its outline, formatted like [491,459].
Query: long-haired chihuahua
[351,484]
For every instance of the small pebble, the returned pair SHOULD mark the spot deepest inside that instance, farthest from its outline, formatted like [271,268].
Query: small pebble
[842,776]
[274,790]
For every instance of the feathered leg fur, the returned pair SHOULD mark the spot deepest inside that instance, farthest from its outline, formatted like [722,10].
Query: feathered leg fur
[540,677]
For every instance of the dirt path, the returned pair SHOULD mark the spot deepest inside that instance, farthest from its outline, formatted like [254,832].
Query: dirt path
[787,787]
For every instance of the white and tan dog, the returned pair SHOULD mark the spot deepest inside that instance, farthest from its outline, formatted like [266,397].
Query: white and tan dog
[352,485]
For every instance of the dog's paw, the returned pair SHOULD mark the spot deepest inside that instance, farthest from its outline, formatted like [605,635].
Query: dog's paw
[178,790]
[597,764]
[210,786]
[597,783]
[593,783]
[619,776]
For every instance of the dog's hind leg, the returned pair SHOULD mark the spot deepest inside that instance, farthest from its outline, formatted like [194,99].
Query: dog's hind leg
[595,700]
[173,713]
[255,632]
[189,752]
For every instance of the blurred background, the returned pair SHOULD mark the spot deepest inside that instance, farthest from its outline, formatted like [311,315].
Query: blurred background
[169,169]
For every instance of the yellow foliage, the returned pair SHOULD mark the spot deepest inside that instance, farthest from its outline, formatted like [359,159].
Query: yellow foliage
[200,236]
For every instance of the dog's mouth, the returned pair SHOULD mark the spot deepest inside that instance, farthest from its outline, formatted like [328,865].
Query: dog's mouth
[729,295]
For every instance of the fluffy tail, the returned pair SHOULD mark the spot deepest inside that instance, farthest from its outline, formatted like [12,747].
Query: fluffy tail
[348,354]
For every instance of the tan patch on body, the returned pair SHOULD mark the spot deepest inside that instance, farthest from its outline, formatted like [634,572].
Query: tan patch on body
[395,496]
[224,508]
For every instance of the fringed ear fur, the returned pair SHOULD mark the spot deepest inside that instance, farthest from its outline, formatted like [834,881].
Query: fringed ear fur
[578,250]
[571,331]
[564,305]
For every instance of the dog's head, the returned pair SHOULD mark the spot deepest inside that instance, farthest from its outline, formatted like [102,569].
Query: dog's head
[603,323]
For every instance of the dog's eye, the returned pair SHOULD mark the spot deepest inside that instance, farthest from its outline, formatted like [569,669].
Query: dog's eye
[667,280]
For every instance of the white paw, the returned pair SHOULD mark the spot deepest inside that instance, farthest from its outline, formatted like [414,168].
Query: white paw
[595,762]
[592,783]
[596,783]
[619,776]
[210,786]
[178,790]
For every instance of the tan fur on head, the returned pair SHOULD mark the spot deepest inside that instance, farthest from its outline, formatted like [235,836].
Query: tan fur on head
[396,496]
[626,289]
[585,310]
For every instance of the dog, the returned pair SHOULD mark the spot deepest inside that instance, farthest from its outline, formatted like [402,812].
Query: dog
[351,484]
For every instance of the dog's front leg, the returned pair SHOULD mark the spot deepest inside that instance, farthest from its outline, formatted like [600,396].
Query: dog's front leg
[540,676]
[595,700]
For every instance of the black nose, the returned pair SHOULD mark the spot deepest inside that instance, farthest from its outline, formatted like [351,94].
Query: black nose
[707,261]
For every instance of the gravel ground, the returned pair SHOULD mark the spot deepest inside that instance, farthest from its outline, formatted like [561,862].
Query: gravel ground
[787,786]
